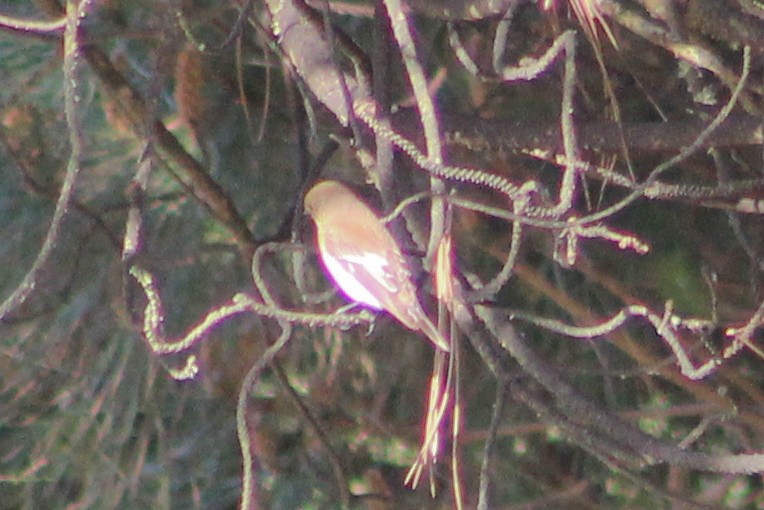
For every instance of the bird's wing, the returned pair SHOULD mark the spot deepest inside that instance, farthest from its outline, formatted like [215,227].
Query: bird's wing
[379,280]
[364,275]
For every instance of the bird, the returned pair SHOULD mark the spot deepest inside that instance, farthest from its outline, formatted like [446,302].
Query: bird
[364,260]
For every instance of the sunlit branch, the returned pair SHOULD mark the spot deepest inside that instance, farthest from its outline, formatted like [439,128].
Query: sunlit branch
[53,28]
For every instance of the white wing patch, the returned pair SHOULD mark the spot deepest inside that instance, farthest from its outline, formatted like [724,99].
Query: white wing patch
[345,274]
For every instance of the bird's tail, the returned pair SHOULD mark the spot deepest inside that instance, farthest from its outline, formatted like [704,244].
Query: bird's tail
[434,334]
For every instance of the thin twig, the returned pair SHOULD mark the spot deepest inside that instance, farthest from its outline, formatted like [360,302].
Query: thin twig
[489,449]
[72,99]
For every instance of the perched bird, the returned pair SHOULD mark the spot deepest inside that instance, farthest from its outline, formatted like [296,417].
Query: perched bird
[364,259]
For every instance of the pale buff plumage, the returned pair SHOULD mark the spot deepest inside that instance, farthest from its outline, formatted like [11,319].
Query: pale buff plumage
[363,258]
